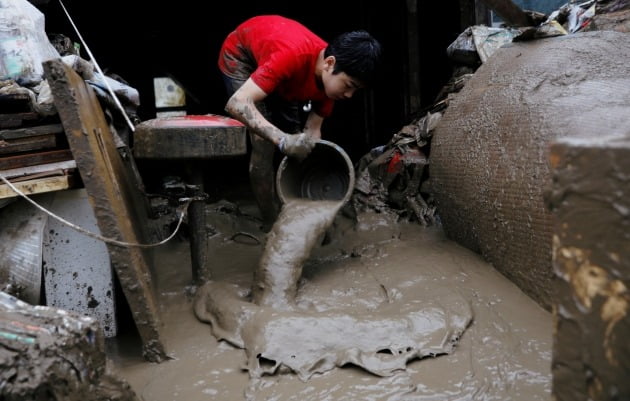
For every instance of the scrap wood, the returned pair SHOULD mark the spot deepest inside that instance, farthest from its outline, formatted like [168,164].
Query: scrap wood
[34,159]
[43,174]
[17,119]
[27,132]
[27,144]
[14,174]
[40,185]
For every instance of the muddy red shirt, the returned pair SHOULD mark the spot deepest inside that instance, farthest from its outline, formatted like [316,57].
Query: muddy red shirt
[279,54]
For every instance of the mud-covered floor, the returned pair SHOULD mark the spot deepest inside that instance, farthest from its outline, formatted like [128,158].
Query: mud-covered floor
[505,353]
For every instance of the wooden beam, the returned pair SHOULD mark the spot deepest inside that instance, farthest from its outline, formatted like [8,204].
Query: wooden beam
[111,193]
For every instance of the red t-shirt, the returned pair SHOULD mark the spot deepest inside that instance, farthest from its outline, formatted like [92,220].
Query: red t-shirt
[279,54]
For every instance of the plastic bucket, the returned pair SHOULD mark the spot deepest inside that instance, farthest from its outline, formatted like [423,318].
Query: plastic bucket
[325,174]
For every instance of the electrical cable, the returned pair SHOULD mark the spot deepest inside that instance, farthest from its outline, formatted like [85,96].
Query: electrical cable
[181,209]
[109,88]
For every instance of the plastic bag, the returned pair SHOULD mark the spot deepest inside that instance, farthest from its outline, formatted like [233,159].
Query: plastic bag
[463,49]
[23,42]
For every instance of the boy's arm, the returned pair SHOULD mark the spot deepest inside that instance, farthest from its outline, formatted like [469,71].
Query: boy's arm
[242,107]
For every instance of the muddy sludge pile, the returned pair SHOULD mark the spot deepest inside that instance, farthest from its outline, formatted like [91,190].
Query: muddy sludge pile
[281,329]
[49,353]
[303,335]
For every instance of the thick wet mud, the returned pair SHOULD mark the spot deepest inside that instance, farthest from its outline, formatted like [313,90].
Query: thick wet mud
[375,274]
[381,335]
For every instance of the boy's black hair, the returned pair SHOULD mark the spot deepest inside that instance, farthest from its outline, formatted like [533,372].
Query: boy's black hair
[357,54]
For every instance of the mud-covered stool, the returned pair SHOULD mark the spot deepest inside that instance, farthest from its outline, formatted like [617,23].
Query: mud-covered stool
[192,139]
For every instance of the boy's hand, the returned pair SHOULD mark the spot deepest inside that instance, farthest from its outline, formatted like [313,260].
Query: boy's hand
[297,145]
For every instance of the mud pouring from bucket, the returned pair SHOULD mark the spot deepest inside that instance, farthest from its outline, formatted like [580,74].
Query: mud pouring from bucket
[280,326]
[311,191]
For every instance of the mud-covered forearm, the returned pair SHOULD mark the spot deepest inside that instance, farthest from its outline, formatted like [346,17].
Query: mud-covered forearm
[247,113]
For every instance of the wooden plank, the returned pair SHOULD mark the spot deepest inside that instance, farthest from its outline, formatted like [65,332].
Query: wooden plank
[30,170]
[14,120]
[26,132]
[112,194]
[34,159]
[28,144]
[37,186]
[41,174]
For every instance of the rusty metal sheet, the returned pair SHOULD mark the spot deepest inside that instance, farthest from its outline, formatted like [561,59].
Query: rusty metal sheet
[111,193]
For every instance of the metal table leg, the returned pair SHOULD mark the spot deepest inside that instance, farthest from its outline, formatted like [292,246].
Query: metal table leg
[197,224]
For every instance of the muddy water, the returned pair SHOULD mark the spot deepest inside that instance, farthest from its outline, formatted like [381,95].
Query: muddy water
[380,335]
[504,354]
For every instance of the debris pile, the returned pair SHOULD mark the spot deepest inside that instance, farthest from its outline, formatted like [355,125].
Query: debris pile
[48,353]
[394,178]
[389,177]
[477,43]
[34,153]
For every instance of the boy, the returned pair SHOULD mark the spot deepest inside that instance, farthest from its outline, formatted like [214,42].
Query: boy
[273,65]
